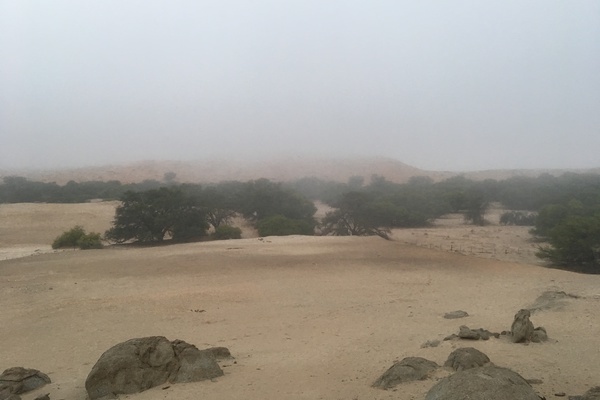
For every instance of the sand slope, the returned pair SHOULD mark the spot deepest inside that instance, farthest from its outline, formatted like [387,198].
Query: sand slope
[305,317]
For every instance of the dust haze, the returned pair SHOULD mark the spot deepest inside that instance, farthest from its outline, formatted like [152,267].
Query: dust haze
[440,86]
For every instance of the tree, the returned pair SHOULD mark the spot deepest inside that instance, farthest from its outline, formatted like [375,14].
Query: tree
[152,215]
[357,215]
[475,208]
[278,225]
[573,233]
[262,198]
[575,244]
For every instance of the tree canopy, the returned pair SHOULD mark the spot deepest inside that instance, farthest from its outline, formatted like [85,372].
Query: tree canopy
[152,215]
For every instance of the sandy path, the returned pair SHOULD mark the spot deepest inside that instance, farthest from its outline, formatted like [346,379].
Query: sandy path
[305,317]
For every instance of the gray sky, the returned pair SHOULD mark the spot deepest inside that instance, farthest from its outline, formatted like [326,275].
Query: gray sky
[451,85]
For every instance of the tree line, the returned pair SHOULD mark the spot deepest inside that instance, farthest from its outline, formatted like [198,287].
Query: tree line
[564,210]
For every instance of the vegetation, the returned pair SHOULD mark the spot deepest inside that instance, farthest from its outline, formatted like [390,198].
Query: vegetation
[567,207]
[77,237]
[359,214]
[225,232]
[518,218]
[573,231]
[153,215]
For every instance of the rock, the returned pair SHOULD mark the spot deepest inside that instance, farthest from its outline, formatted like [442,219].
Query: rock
[466,358]
[551,300]
[456,314]
[139,364]
[408,369]
[592,394]
[482,383]
[43,397]
[430,343]
[534,381]
[9,396]
[19,380]
[475,334]
[522,327]
[539,335]
[466,333]
[218,352]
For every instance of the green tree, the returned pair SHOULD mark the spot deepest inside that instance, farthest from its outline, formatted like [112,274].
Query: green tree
[475,207]
[152,215]
[575,243]
[357,215]
[262,198]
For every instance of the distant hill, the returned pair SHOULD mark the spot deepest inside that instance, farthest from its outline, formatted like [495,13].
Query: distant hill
[211,171]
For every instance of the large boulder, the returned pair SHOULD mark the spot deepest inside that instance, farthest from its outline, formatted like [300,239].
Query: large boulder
[139,364]
[483,383]
[17,380]
[466,358]
[408,369]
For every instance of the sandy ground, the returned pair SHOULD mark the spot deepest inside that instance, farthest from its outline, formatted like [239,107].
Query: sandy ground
[305,317]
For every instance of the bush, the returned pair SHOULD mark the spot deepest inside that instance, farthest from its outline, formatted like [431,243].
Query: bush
[69,238]
[278,225]
[518,218]
[90,241]
[76,237]
[225,232]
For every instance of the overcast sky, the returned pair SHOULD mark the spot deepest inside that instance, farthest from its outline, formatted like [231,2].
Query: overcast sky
[441,85]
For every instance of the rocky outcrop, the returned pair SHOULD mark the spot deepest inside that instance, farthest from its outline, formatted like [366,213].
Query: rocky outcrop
[466,358]
[465,332]
[139,364]
[522,328]
[483,383]
[408,369]
[17,380]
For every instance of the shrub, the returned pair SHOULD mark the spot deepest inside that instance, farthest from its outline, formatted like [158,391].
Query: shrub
[518,218]
[224,232]
[90,241]
[278,225]
[76,237]
[69,238]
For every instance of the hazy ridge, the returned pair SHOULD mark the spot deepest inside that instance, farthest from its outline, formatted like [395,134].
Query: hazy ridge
[277,169]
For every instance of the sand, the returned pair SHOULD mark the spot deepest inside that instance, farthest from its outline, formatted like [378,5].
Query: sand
[304,317]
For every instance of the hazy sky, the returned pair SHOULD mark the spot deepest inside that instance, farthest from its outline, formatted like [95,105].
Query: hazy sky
[452,85]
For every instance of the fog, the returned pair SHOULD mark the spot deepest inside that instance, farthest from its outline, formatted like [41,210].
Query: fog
[440,85]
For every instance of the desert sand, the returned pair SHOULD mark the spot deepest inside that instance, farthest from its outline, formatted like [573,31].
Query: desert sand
[304,317]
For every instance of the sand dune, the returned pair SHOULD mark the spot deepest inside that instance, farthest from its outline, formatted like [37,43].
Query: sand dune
[305,317]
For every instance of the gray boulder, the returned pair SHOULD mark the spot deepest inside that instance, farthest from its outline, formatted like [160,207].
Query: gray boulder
[139,364]
[522,327]
[466,358]
[539,335]
[483,383]
[408,369]
[17,380]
